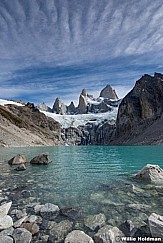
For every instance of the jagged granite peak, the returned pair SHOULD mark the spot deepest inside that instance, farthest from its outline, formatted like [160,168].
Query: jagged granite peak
[108,93]
[43,107]
[71,109]
[82,107]
[59,107]
[141,109]
[84,92]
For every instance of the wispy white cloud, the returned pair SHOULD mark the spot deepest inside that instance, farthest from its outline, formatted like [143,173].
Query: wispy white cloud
[96,42]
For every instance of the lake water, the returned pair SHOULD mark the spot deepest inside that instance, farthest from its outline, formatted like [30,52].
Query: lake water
[97,179]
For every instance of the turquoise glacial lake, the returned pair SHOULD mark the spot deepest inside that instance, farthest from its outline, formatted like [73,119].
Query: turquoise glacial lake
[98,179]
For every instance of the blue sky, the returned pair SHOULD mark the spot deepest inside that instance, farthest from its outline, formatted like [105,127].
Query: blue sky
[55,48]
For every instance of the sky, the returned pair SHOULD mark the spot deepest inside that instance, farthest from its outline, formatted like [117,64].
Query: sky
[55,48]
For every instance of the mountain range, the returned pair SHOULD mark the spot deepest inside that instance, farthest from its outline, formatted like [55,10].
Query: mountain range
[106,101]
[138,119]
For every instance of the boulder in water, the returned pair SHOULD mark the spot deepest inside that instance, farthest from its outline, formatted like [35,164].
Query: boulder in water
[20,167]
[94,222]
[151,173]
[42,159]
[17,160]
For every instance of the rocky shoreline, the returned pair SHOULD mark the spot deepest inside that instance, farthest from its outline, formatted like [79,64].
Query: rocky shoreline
[50,224]
[31,221]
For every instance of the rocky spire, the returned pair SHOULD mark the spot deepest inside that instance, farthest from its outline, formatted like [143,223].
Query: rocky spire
[71,109]
[82,107]
[108,93]
[59,107]
[43,107]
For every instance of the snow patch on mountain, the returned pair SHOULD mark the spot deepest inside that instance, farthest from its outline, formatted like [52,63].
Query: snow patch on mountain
[9,102]
[82,119]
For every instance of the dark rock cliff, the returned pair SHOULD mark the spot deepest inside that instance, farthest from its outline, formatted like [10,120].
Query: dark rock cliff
[140,112]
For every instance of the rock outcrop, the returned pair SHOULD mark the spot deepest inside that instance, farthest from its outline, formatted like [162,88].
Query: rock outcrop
[27,126]
[109,93]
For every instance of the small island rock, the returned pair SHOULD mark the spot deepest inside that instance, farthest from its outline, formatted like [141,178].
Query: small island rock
[42,158]
[17,160]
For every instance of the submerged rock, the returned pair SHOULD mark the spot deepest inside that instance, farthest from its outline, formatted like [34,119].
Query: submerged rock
[77,236]
[17,160]
[94,222]
[71,213]
[43,158]
[156,225]
[135,228]
[108,234]
[151,173]
[22,235]
[20,167]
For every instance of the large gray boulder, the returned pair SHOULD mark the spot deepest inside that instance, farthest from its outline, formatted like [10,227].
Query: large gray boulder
[95,221]
[156,225]
[77,236]
[61,229]
[42,159]
[151,174]
[49,211]
[4,209]
[22,235]
[108,234]
[6,222]
[17,160]
[6,239]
